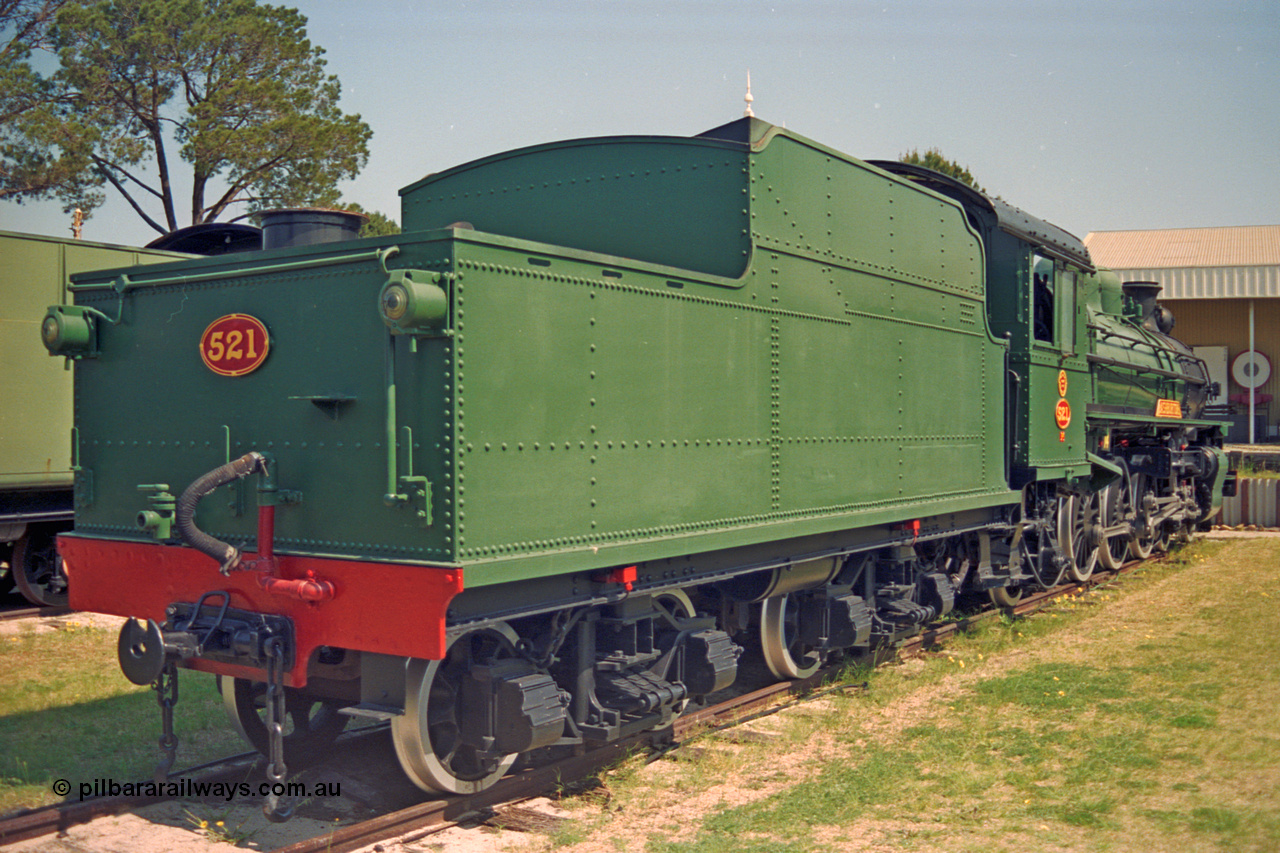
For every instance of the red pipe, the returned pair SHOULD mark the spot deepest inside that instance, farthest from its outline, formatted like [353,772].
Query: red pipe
[303,589]
[266,533]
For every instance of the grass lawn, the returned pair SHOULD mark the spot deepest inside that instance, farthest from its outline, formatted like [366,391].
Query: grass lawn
[1143,717]
[1139,717]
[66,712]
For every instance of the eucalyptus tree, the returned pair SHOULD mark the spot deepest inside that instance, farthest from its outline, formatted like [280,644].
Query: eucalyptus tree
[30,168]
[225,99]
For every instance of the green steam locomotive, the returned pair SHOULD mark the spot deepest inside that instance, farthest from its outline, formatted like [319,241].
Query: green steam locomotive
[533,472]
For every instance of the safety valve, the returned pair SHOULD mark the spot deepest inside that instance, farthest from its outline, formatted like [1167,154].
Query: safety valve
[70,330]
[413,307]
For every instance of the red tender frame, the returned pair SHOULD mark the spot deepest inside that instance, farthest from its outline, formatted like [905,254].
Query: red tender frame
[389,608]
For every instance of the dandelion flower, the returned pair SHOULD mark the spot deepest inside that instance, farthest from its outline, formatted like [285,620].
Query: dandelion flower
[1061,693]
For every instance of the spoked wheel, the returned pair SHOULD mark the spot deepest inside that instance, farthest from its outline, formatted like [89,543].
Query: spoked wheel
[310,724]
[428,737]
[1164,535]
[1114,549]
[1143,537]
[1040,547]
[784,654]
[677,601]
[37,569]
[1077,522]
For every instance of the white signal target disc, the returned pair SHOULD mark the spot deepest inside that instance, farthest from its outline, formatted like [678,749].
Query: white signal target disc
[1251,369]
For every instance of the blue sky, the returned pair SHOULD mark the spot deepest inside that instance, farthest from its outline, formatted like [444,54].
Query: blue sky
[1093,115]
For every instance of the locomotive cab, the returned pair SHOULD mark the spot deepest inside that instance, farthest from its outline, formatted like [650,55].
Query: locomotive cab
[1103,408]
[1033,277]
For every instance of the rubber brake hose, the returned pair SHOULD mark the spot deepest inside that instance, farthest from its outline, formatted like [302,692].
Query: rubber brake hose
[228,556]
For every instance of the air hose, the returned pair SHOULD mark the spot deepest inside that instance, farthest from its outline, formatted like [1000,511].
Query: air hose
[228,556]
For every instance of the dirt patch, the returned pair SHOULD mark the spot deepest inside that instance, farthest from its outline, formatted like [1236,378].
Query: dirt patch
[65,622]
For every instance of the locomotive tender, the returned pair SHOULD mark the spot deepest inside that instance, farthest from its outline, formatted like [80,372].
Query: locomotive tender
[532,472]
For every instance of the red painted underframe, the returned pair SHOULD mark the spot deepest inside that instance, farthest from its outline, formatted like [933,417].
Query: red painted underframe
[389,608]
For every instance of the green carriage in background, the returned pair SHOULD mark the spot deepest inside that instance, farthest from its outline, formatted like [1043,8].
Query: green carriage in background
[36,415]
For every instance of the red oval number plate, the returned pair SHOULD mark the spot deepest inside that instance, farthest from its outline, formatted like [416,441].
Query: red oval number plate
[234,345]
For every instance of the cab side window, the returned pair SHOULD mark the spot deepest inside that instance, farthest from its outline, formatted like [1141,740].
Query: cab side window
[1042,298]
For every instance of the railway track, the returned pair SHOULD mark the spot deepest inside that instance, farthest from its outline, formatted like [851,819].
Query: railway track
[419,821]
[47,820]
[422,819]
[17,613]
[1029,604]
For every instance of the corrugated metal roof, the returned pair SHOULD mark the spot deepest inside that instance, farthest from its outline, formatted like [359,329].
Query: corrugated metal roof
[1210,282]
[1227,246]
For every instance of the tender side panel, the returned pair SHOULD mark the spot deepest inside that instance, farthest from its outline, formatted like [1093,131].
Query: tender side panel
[677,202]
[850,380]
[605,406]
[817,204]
[888,376]
[599,408]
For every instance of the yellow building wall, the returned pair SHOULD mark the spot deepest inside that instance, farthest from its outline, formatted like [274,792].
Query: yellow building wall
[1225,322]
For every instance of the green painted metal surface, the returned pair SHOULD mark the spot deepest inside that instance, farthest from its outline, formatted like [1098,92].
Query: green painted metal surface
[1138,385]
[317,404]
[666,200]
[35,420]
[827,369]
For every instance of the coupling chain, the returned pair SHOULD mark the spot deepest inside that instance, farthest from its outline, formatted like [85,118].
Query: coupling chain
[276,769]
[166,687]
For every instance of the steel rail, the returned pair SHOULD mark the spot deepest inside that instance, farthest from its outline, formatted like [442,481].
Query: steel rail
[59,817]
[440,814]
[25,612]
